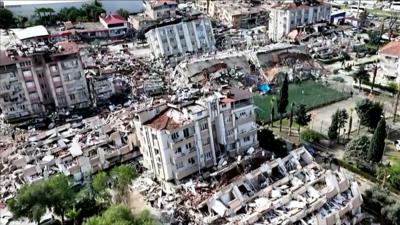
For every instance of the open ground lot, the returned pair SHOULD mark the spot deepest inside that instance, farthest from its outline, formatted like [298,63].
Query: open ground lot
[309,93]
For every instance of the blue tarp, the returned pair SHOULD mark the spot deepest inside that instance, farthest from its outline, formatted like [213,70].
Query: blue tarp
[264,88]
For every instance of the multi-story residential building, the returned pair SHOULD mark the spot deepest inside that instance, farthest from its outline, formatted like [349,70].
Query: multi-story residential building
[154,12]
[160,9]
[115,24]
[285,17]
[184,35]
[237,14]
[389,62]
[179,140]
[41,81]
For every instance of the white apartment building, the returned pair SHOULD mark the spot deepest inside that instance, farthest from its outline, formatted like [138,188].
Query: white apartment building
[286,17]
[177,141]
[160,9]
[41,82]
[389,65]
[183,35]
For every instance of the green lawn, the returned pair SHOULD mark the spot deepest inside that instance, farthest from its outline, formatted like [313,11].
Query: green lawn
[309,93]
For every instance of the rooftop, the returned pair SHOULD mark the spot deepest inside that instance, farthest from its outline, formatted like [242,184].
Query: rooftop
[113,19]
[392,48]
[169,119]
[157,3]
[292,5]
[30,32]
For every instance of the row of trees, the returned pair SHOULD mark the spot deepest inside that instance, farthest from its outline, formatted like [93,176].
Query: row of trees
[298,113]
[47,16]
[58,196]
[364,149]
[369,113]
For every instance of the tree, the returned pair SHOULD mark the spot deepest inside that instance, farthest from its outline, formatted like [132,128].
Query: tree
[342,117]
[73,214]
[283,100]
[302,118]
[291,119]
[70,14]
[272,102]
[267,140]
[124,13]
[116,214]
[121,177]
[100,182]
[361,76]
[61,195]
[7,19]
[31,201]
[369,112]
[334,127]
[93,10]
[377,146]
[356,149]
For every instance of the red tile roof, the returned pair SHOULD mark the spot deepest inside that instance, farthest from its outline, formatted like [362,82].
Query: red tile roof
[392,48]
[67,48]
[164,121]
[113,19]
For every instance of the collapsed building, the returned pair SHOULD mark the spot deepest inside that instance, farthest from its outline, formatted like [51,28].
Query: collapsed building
[76,149]
[290,190]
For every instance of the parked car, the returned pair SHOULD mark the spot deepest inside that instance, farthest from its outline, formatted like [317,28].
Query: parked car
[397,145]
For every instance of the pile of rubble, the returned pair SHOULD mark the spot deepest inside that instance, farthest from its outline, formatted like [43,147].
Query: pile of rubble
[294,190]
[77,149]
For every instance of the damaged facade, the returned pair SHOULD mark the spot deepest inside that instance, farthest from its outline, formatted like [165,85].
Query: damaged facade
[285,17]
[189,34]
[38,78]
[179,140]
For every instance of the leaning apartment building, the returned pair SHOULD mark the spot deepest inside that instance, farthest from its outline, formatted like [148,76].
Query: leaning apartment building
[178,140]
[38,79]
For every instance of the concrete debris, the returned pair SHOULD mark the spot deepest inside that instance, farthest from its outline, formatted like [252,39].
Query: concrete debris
[76,149]
[294,189]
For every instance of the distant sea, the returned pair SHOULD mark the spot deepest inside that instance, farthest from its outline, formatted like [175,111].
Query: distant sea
[27,7]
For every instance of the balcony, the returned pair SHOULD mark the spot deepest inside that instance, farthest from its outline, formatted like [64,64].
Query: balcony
[35,100]
[57,84]
[31,89]
[28,78]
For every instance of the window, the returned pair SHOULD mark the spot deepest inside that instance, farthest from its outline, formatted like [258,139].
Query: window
[179,165]
[204,126]
[188,146]
[154,136]
[175,136]
[229,133]
[229,119]
[178,150]
[232,146]
[208,155]
[246,139]
[191,161]
[72,96]
[186,132]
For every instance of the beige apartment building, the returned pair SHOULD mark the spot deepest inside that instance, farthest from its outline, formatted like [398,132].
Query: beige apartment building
[33,83]
[235,14]
[179,140]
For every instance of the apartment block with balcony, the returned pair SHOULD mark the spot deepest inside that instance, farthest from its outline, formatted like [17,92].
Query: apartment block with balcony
[184,35]
[182,139]
[389,65]
[237,14]
[160,9]
[34,84]
[286,17]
